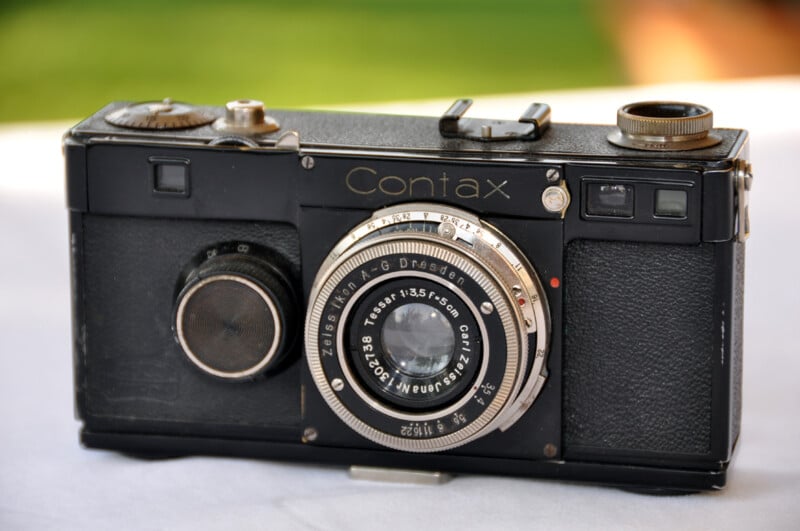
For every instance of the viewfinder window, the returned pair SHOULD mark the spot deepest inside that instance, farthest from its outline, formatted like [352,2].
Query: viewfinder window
[670,203]
[171,178]
[606,199]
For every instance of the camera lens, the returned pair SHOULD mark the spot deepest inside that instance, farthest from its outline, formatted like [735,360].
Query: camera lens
[426,328]
[418,339]
[234,317]
[404,352]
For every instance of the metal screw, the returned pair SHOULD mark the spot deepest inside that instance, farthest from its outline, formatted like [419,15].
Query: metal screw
[337,384]
[552,175]
[487,308]
[550,450]
[307,162]
[447,230]
[310,434]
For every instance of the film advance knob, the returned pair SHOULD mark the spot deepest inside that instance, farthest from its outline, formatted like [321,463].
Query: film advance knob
[664,126]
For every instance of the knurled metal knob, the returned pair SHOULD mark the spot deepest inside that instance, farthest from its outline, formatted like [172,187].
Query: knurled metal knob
[664,126]
[160,115]
[246,117]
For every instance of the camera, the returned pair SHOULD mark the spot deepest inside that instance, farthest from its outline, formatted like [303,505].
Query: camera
[410,293]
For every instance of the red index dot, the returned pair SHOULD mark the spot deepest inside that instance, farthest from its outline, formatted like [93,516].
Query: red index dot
[555,283]
[521,302]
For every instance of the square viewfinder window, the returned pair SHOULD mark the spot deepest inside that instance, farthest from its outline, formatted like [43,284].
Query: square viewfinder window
[172,178]
[606,199]
[671,203]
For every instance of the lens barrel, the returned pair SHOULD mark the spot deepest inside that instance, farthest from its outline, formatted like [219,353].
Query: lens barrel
[426,328]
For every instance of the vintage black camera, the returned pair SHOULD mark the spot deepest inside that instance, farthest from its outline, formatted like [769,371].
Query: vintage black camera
[396,292]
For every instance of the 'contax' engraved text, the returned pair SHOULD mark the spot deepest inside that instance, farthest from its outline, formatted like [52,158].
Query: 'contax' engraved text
[363,180]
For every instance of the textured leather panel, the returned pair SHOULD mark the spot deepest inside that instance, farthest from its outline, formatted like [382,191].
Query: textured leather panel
[638,335]
[134,369]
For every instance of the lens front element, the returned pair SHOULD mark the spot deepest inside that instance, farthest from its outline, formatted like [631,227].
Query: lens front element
[404,350]
[418,340]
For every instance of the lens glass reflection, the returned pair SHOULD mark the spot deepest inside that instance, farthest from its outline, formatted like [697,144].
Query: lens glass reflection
[418,339]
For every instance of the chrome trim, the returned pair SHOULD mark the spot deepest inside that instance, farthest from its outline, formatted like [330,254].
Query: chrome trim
[556,199]
[398,475]
[743,179]
[245,117]
[641,127]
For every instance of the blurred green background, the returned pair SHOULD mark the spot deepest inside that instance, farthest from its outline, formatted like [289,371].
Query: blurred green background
[63,60]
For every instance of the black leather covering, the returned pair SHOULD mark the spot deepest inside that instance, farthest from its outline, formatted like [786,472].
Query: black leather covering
[130,368]
[639,335]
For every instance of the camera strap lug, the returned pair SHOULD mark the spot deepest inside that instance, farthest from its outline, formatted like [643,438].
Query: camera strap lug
[398,475]
[530,126]
[743,179]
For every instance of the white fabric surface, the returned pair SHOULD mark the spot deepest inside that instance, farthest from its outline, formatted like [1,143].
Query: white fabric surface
[47,481]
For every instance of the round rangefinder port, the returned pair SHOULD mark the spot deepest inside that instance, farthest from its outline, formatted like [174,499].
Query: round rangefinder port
[234,317]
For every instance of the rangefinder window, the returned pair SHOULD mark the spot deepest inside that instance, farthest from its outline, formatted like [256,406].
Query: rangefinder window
[671,203]
[609,199]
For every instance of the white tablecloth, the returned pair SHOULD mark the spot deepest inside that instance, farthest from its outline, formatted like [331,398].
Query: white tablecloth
[47,481]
